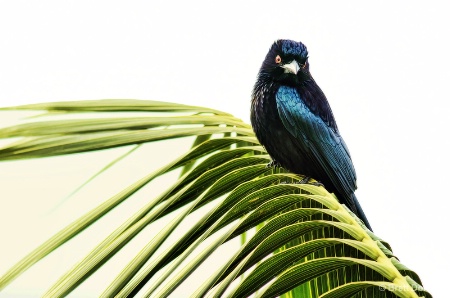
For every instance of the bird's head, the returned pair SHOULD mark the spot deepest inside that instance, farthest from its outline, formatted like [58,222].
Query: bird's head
[286,63]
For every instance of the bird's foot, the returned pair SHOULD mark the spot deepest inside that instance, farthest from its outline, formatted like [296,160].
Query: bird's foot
[273,164]
[307,179]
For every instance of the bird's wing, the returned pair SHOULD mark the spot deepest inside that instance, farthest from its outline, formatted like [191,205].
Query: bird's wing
[325,144]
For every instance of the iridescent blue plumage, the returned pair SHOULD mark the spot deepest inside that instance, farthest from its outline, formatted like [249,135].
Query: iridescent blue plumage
[293,120]
[290,47]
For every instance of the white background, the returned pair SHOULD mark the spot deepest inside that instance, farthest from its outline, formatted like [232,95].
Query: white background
[384,68]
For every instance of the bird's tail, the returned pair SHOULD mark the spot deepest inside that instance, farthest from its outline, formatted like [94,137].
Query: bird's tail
[360,213]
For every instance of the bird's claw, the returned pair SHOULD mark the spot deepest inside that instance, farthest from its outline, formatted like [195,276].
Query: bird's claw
[307,179]
[273,164]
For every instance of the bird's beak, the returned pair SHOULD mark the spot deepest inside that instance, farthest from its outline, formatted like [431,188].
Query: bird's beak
[292,67]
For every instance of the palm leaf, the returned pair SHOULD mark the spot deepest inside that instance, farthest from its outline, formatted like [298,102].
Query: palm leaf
[308,245]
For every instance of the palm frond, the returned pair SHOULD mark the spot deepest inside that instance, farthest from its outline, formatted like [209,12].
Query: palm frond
[309,244]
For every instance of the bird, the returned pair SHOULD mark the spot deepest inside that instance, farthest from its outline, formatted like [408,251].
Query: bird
[292,119]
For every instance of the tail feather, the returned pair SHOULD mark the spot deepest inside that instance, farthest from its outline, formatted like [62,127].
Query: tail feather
[360,213]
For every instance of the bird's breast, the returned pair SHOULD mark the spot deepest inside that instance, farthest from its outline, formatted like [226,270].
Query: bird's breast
[272,134]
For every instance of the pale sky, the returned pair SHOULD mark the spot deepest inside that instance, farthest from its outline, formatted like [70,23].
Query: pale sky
[383,66]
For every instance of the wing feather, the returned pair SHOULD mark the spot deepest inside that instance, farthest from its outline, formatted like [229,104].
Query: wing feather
[325,144]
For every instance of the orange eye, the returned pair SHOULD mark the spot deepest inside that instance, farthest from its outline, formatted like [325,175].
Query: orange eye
[278,59]
[303,66]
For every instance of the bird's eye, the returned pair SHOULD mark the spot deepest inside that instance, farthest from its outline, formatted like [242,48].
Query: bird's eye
[303,66]
[278,59]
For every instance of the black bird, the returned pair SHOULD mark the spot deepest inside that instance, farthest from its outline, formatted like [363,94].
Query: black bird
[292,119]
